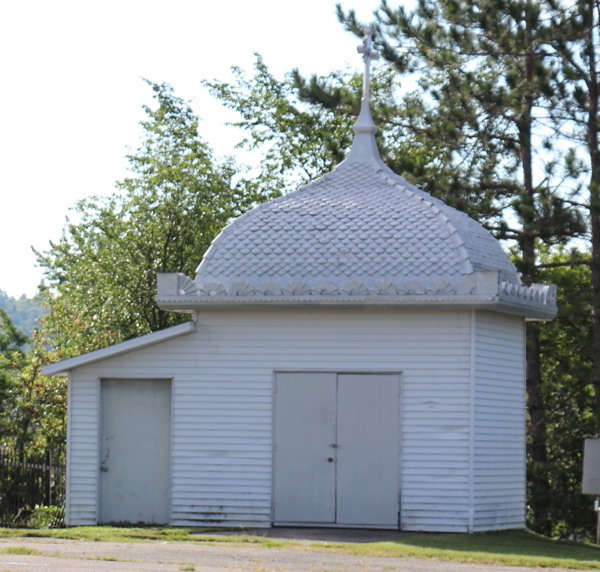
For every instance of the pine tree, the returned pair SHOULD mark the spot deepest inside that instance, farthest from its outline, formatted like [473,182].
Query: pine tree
[473,133]
[493,73]
[575,39]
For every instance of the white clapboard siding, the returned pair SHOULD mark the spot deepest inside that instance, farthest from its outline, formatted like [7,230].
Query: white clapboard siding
[499,440]
[223,407]
[82,473]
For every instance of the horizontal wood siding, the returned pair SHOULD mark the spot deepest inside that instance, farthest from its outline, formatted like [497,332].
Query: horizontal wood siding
[499,468]
[82,485]
[223,405]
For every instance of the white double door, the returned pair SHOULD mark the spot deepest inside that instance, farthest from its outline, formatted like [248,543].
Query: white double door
[337,449]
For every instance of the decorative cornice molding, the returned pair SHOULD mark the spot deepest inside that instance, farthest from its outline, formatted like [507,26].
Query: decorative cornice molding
[325,288]
[383,288]
[536,294]
[241,289]
[538,300]
[269,288]
[355,288]
[411,287]
[440,287]
[297,288]
[187,286]
[212,289]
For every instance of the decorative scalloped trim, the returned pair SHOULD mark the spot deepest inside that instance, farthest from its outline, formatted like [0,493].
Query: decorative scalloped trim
[241,289]
[212,289]
[536,294]
[440,287]
[355,288]
[325,288]
[411,287]
[186,286]
[383,288]
[269,288]
[297,288]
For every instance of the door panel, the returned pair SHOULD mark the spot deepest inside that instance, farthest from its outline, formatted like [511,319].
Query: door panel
[304,434]
[368,454]
[136,451]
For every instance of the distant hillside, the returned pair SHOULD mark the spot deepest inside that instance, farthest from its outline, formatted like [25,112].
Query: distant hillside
[24,312]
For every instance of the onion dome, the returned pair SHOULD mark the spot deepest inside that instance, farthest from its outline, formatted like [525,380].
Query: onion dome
[358,235]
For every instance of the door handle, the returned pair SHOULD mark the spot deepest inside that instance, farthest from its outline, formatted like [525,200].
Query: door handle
[330,459]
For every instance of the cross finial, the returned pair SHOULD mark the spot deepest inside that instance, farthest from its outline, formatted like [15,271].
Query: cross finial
[369,54]
[364,146]
[364,123]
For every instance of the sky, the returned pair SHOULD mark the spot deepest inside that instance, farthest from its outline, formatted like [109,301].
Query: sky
[71,93]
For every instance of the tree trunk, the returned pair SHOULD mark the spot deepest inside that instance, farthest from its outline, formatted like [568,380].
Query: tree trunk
[538,478]
[594,202]
[538,468]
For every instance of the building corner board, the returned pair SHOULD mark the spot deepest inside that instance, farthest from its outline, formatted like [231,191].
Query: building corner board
[472,422]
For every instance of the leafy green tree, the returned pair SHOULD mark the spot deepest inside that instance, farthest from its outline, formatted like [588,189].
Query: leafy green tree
[492,77]
[470,134]
[102,274]
[12,352]
[576,43]
[301,140]
[298,143]
[24,312]
[32,406]
[12,338]
[568,392]
[36,417]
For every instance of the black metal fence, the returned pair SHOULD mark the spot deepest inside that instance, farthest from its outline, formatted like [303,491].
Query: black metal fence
[32,491]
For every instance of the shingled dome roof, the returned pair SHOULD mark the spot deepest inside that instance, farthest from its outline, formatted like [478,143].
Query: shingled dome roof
[359,235]
[359,223]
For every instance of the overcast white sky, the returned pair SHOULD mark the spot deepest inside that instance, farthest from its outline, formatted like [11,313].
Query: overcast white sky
[71,92]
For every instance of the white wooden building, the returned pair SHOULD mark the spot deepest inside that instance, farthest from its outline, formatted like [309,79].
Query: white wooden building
[356,358]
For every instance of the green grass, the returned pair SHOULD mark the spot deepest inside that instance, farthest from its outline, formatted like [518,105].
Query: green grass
[122,534]
[188,567]
[21,550]
[513,548]
[112,534]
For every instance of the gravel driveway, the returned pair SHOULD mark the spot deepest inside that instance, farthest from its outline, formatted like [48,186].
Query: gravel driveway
[80,556]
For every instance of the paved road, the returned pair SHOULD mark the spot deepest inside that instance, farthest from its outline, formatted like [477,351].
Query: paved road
[82,556]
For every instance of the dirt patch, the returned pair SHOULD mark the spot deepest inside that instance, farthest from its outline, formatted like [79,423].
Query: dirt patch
[352,535]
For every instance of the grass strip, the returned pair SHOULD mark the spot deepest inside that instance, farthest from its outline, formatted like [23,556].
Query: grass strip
[112,534]
[20,550]
[512,548]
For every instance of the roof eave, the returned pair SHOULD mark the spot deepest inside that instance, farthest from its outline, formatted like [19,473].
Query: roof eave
[417,302]
[62,368]
[530,311]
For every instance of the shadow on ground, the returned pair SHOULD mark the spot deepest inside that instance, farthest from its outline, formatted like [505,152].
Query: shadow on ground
[322,534]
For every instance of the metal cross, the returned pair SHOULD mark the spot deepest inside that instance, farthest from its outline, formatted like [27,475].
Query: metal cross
[369,54]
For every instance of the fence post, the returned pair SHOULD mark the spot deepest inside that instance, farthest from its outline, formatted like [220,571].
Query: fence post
[26,483]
